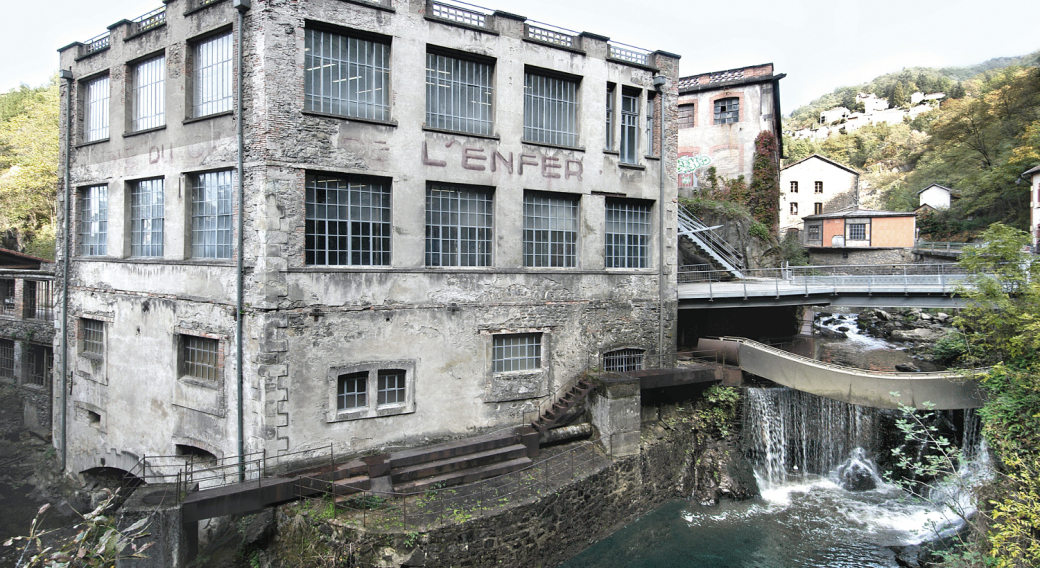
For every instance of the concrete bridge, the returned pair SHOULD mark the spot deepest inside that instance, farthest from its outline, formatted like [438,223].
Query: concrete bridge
[877,389]
[891,286]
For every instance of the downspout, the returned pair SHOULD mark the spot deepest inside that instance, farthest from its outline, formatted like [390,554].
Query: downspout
[659,82]
[67,75]
[242,6]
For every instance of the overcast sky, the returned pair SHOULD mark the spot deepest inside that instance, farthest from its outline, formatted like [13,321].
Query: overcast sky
[819,44]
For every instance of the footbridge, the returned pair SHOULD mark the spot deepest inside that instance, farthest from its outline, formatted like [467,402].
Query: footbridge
[877,389]
[888,286]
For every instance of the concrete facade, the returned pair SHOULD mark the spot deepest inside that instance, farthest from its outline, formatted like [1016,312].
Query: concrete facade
[707,140]
[307,325]
[815,185]
[26,334]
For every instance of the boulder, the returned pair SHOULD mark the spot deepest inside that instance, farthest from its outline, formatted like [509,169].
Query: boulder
[907,368]
[914,335]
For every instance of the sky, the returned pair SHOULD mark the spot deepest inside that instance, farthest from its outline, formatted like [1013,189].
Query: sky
[819,44]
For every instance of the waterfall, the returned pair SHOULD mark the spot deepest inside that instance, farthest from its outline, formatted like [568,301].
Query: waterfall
[788,433]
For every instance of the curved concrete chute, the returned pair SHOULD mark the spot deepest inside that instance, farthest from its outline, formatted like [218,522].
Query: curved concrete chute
[940,391]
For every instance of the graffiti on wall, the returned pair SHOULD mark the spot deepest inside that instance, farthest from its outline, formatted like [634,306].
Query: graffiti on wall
[688,166]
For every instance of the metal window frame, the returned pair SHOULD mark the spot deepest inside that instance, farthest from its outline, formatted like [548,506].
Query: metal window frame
[855,228]
[346,75]
[359,395]
[550,110]
[516,352]
[93,221]
[550,230]
[6,358]
[629,147]
[817,187]
[148,106]
[459,94]
[7,296]
[147,215]
[93,334]
[459,225]
[813,232]
[727,110]
[627,229]
[354,214]
[651,100]
[39,356]
[211,214]
[38,299]
[623,360]
[611,93]
[398,389]
[200,357]
[213,75]
[97,95]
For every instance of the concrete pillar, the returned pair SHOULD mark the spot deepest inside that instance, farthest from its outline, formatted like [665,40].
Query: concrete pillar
[615,413]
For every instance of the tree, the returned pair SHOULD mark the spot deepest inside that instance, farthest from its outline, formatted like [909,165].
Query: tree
[897,96]
[764,191]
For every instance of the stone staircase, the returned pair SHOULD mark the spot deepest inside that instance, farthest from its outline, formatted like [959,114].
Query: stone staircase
[459,461]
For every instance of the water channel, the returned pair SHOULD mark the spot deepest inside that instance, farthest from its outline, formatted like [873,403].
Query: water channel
[823,503]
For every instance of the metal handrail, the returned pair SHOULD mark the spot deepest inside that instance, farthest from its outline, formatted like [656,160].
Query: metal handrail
[689,222]
[548,401]
[944,246]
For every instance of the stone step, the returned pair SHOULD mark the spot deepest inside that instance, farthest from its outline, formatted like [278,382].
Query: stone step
[456,463]
[464,476]
[351,485]
[452,449]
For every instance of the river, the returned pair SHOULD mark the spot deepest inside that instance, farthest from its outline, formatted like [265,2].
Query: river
[807,514]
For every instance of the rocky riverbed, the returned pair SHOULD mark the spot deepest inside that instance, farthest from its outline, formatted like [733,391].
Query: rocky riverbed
[911,330]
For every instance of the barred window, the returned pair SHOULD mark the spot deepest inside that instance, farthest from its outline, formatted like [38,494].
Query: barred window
[7,297]
[610,117]
[40,362]
[37,300]
[146,218]
[818,186]
[550,110]
[651,100]
[629,126]
[346,76]
[213,73]
[211,215]
[817,208]
[6,358]
[550,231]
[727,110]
[794,209]
[813,232]
[149,95]
[794,187]
[857,232]
[348,221]
[627,234]
[93,221]
[458,226]
[93,336]
[623,360]
[687,115]
[391,387]
[352,391]
[200,357]
[458,94]
[95,110]
[517,352]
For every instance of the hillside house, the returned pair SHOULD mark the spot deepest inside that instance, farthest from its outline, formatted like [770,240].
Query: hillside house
[815,185]
[859,236]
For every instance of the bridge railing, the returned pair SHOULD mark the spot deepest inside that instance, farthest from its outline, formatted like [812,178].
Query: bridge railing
[942,246]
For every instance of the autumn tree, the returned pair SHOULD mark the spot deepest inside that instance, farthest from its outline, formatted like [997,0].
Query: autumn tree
[764,190]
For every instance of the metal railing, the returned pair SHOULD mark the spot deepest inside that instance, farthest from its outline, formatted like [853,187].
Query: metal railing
[944,247]
[552,35]
[458,12]
[152,19]
[629,53]
[695,229]
[388,511]
[98,43]
[527,417]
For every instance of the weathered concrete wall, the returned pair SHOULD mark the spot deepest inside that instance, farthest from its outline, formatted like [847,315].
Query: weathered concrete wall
[840,188]
[851,256]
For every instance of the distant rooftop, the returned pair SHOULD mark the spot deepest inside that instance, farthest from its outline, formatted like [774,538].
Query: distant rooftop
[859,214]
[729,77]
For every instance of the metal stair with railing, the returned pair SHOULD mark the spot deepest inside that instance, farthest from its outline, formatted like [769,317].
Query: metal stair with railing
[710,243]
[559,406]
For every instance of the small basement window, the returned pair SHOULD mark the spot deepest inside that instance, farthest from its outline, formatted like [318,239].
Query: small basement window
[623,360]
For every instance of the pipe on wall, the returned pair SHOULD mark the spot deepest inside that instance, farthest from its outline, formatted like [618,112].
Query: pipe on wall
[242,6]
[659,83]
[67,75]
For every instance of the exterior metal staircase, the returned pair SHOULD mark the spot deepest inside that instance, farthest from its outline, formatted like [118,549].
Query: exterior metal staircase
[553,412]
[708,241]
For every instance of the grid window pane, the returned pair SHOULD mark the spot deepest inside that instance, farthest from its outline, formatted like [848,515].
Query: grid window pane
[391,387]
[93,336]
[211,215]
[623,360]
[348,221]
[627,234]
[6,358]
[7,297]
[629,127]
[458,94]
[149,94]
[818,187]
[550,231]
[201,357]
[610,117]
[352,391]
[37,300]
[550,110]
[687,115]
[146,218]
[458,226]
[727,110]
[813,232]
[93,221]
[517,352]
[213,72]
[857,232]
[95,110]
[40,362]
[346,76]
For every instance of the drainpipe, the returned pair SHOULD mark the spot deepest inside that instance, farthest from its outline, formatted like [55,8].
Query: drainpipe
[67,75]
[242,6]
[659,82]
